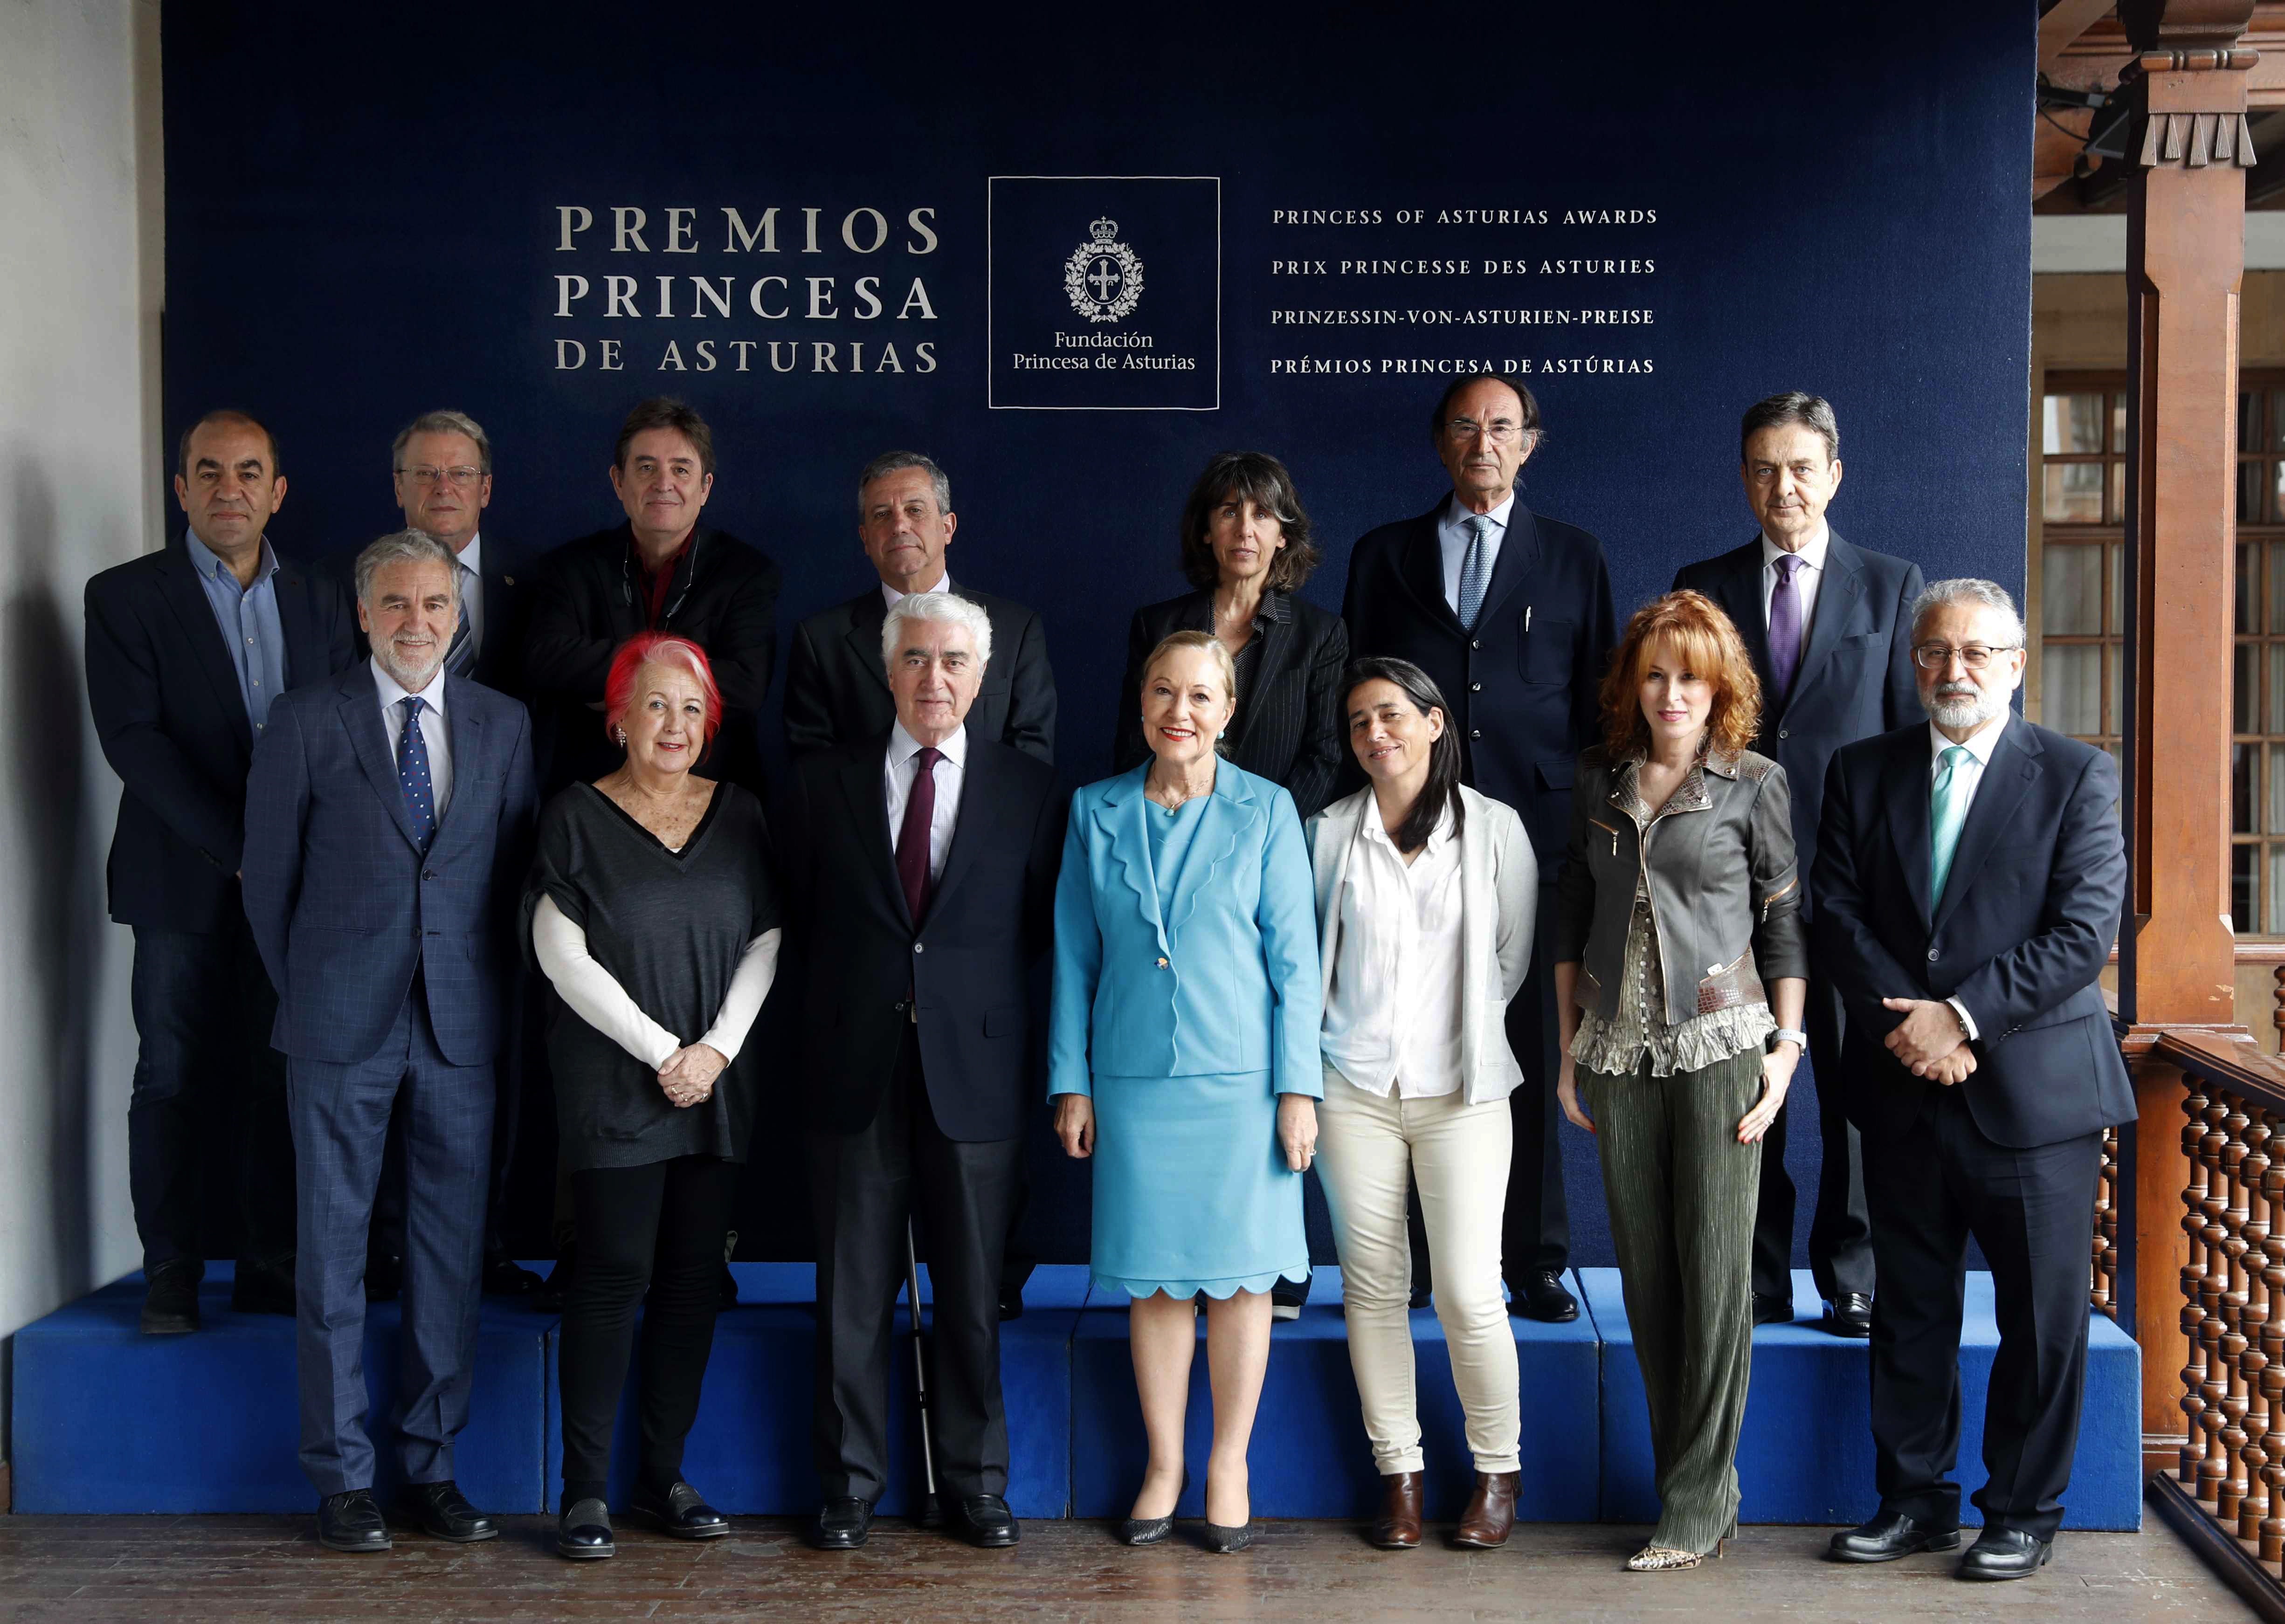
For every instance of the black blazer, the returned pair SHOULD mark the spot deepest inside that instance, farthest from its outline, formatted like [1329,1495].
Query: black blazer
[2028,912]
[837,692]
[1293,731]
[173,726]
[1524,687]
[585,600]
[1854,677]
[969,961]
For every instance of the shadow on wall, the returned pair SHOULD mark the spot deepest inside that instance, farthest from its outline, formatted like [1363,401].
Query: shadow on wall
[46,773]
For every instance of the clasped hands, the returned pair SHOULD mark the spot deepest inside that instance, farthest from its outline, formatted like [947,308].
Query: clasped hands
[1297,1127]
[1930,1040]
[687,1075]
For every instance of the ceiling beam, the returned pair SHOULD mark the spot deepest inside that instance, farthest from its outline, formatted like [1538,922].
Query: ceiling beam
[2064,23]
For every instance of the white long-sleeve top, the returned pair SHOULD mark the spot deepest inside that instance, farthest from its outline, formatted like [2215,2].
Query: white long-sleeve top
[595,996]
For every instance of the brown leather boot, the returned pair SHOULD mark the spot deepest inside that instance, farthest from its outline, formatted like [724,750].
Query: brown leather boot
[1398,1526]
[1491,1512]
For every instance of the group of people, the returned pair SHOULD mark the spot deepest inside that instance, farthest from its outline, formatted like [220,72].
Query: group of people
[1370,900]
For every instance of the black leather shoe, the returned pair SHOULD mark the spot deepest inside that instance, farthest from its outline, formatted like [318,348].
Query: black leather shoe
[1849,1315]
[1889,1536]
[1422,1296]
[352,1521]
[1772,1310]
[504,1276]
[983,1520]
[442,1513]
[170,1297]
[2006,1553]
[549,1298]
[842,1524]
[1011,1302]
[1540,1295]
[262,1289]
[583,1533]
[384,1276]
[729,1289]
[681,1512]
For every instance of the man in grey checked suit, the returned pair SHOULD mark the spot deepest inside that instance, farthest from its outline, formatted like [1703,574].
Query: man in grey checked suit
[389,815]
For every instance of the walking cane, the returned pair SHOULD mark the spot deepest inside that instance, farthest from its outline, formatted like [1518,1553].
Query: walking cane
[931,1513]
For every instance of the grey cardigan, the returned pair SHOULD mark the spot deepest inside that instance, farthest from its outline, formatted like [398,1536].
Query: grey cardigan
[1724,889]
[1499,891]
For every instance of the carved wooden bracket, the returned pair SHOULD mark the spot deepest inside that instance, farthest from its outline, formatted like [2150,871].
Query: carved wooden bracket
[2192,140]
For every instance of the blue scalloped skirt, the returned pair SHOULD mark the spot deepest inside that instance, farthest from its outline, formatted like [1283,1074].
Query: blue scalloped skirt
[1191,1193]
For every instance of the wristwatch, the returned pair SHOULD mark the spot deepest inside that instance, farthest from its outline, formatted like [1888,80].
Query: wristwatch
[1786,1034]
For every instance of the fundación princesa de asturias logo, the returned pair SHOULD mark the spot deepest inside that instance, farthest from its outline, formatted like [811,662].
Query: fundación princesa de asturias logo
[1103,276]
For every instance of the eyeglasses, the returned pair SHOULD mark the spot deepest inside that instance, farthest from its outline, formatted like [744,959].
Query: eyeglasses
[458,478]
[1499,431]
[1975,656]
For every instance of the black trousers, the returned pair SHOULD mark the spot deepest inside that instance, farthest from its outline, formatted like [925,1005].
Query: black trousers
[1839,1230]
[2032,1212]
[959,1195]
[657,1228]
[203,1009]
[1535,1233]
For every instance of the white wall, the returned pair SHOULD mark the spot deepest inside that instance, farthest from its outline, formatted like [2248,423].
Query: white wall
[80,478]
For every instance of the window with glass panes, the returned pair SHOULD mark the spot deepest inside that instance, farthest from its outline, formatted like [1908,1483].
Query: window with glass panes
[2257,730]
[2083,499]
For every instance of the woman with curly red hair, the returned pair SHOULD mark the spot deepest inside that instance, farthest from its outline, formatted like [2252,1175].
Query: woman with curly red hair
[655,919]
[1680,971]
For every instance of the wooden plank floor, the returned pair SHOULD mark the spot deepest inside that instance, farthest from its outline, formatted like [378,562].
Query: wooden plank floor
[271,1567]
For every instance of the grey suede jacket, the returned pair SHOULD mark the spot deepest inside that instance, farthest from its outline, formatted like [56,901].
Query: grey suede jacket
[1724,889]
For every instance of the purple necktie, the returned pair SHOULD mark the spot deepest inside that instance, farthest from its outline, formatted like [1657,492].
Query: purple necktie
[1784,623]
[912,836]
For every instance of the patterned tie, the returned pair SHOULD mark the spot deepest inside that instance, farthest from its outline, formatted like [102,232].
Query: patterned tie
[413,775]
[912,836]
[1947,810]
[1784,623]
[1473,569]
[461,658]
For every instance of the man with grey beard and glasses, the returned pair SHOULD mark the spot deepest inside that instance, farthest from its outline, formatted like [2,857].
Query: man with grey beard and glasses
[390,817]
[1970,878]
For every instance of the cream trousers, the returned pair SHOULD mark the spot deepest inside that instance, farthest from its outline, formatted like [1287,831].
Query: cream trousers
[1458,1153]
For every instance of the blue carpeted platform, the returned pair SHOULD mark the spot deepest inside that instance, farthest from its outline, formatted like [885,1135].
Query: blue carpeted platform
[107,1419]
[1309,1456]
[1806,1453]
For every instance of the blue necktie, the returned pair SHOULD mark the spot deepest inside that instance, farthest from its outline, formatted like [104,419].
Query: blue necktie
[1472,571]
[413,773]
[1947,812]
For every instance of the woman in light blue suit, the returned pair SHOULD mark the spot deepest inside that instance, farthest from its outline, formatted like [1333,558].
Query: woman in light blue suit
[1183,1054]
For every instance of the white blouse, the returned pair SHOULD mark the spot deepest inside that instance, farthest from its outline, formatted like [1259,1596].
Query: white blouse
[1392,1016]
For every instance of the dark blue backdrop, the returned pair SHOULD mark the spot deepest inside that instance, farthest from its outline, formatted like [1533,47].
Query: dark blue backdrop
[364,219]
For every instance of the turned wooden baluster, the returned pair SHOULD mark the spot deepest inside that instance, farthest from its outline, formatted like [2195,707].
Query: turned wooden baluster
[2270,1531]
[2254,1319]
[2213,1283]
[2194,1269]
[2277,1016]
[2229,1491]
[2102,1285]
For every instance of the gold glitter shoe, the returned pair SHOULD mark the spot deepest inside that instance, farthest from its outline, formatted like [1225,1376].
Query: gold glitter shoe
[1663,1560]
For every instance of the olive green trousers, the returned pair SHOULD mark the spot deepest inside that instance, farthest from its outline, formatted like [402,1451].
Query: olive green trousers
[1681,1193]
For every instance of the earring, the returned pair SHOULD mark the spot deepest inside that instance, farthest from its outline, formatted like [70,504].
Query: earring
[620,733]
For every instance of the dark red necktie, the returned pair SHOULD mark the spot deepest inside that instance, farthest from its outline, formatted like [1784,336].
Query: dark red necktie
[912,836]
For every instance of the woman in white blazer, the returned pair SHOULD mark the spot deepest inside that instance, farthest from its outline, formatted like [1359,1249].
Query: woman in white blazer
[1425,892]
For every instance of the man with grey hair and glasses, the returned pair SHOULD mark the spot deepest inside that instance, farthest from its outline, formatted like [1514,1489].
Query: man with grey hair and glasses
[1970,879]
[389,824]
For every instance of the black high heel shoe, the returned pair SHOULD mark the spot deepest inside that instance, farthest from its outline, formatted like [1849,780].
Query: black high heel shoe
[1151,1530]
[1223,1538]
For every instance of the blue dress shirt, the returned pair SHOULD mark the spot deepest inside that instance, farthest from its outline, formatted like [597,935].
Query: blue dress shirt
[248,617]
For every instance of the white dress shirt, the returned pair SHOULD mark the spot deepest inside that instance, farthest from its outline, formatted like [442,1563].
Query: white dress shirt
[1805,581]
[898,771]
[1393,1017]
[1967,778]
[1452,534]
[433,732]
[472,590]
[891,596]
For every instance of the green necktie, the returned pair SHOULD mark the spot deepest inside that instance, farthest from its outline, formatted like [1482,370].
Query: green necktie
[1947,810]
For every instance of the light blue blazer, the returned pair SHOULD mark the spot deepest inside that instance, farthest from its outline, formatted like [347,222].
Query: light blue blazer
[1224,979]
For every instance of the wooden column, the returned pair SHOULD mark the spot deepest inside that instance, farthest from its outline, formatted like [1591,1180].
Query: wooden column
[2184,255]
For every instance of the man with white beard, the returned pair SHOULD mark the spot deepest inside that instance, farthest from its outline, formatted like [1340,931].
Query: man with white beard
[1970,878]
[389,815]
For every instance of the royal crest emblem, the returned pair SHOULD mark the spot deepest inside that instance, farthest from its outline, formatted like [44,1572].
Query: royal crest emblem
[1103,276]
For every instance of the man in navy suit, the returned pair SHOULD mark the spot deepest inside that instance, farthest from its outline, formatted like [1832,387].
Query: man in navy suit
[1829,627]
[187,649]
[1970,879]
[390,817]
[1511,613]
